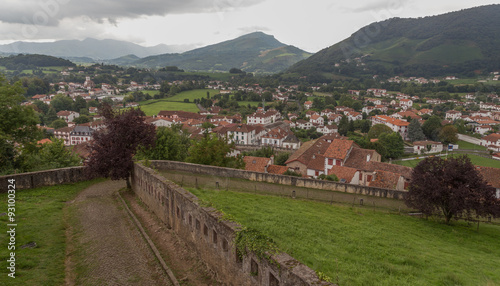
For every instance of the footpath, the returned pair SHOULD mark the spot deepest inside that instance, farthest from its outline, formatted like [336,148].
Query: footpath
[104,246]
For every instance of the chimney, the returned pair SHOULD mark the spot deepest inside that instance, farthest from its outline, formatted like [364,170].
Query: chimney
[368,157]
[272,160]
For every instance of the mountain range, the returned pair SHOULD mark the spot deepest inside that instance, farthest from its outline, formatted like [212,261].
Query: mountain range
[254,52]
[464,43]
[89,48]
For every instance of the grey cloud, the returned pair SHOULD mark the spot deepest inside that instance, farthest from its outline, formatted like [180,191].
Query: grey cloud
[251,29]
[377,6]
[50,12]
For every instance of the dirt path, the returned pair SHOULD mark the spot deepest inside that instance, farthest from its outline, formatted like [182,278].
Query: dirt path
[104,246]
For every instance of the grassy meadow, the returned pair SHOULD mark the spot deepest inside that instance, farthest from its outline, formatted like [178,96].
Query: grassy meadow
[176,102]
[361,246]
[470,146]
[40,218]
[476,160]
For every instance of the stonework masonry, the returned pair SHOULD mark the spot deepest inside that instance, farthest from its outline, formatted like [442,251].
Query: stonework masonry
[278,179]
[44,178]
[212,238]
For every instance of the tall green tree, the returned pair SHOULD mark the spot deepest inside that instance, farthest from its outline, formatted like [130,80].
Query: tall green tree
[61,102]
[58,123]
[393,143]
[170,144]
[377,130]
[18,124]
[431,127]
[343,126]
[212,150]
[79,103]
[51,116]
[415,132]
[448,134]
[49,156]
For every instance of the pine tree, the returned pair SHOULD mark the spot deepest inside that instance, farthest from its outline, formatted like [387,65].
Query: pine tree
[415,132]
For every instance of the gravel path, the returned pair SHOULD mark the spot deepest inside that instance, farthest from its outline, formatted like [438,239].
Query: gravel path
[104,246]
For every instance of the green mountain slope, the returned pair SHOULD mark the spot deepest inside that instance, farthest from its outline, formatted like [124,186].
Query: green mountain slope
[34,61]
[454,43]
[255,52]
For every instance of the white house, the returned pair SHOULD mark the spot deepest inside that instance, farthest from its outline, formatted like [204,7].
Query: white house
[395,124]
[80,134]
[453,115]
[421,147]
[68,116]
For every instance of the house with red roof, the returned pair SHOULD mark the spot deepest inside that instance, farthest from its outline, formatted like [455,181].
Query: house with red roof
[68,116]
[396,125]
[492,142]
[242,134]
[345,174]
[308,104]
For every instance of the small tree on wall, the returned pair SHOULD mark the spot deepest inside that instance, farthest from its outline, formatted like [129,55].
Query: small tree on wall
[453,187]
[114,146]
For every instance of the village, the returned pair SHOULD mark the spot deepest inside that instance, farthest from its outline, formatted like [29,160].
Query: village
[328,153]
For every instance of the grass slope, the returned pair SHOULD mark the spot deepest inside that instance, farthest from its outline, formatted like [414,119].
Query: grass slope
[176,102]
[356,246]
[476,160]
[40,219]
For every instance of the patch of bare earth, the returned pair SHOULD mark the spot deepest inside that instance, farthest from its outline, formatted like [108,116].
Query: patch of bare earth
[185,264]
[104,245]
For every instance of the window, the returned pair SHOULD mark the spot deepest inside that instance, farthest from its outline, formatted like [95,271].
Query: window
[272,280]
[214,236]
[205,230]
[254,268]
[225,246]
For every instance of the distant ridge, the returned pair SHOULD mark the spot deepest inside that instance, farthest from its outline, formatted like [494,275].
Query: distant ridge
[254,52]
[453,43]
[88,48]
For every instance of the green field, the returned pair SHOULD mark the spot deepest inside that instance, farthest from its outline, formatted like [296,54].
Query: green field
[176,102]
[152,107]
[470,146]
[476,160]
[358,246]
[40,218]
[150,92]
[192,95]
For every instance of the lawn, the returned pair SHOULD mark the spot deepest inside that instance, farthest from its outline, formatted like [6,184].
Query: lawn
[40,219]
[476,160]
[357,246]
[470,146]
[152,107]
[192,95]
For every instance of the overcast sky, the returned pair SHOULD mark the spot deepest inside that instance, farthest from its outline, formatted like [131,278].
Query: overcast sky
[310,25]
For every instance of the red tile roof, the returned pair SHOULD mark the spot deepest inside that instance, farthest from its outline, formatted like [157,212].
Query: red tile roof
[383,179]
[341,172]
[317,162]
[490,175]
[276,169]
[339,149]
[256,164]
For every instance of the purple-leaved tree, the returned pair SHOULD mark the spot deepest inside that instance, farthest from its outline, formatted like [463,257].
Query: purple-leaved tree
[114,146]
[453,187]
